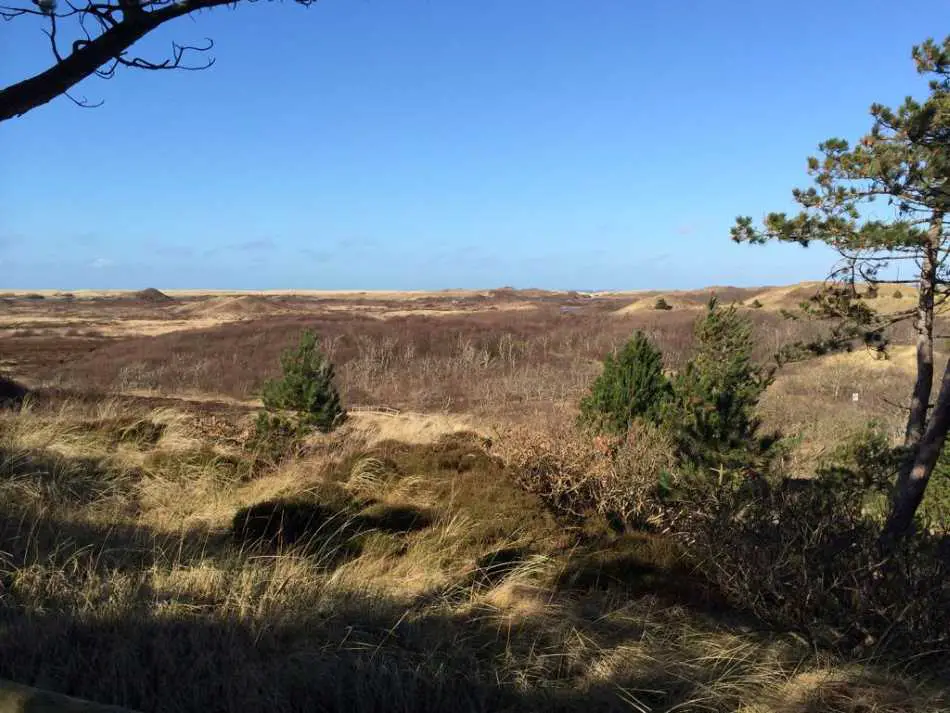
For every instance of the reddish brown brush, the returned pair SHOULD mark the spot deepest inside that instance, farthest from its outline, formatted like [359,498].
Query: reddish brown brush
[490,360]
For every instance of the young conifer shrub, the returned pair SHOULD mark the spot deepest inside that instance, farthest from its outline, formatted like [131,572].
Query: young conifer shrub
[712,413]
[632,385]
[306,387]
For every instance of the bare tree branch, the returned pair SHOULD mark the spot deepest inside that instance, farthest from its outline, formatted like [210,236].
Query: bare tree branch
[116,26]
[178,52]
[83,103]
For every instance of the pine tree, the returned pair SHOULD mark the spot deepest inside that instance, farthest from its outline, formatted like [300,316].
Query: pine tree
[632,385]
[712,415]
[306,387]
[904,160]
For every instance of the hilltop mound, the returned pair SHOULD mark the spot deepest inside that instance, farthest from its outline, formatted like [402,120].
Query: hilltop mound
[234,307]
[503,293]
[789,296]
[676,300]
[890,297]
[150,294]
[686,299]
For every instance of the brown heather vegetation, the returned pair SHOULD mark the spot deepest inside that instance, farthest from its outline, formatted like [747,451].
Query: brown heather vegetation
[408,561]
[460,362]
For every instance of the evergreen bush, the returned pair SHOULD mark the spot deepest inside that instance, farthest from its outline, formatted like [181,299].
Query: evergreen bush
[711,416]
[632,385]
[306,387]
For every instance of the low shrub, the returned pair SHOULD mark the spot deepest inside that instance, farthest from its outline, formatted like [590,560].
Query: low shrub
[616,477]
[866,463]
[806,555]
[934,511]
[558,465]
[275,438]
[628,492]
[803,556]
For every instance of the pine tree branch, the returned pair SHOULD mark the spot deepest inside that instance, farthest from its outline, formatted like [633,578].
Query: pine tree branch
[120,24]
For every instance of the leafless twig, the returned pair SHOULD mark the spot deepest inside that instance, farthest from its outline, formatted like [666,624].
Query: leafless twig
[106,30]
[178,53]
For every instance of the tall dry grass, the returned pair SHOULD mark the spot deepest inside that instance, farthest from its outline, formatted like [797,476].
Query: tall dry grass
[813,403]
[123,582]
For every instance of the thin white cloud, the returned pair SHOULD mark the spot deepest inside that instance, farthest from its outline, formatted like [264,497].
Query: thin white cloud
[262,244]
[317,255]
[101,262]
[174,251]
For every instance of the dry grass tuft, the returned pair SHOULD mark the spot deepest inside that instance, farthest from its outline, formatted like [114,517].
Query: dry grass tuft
[431,583]
[854,690]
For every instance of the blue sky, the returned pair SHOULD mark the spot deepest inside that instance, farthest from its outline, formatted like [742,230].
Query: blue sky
[419,144]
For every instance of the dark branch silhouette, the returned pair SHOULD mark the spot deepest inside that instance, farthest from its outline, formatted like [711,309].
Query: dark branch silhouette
[109,30]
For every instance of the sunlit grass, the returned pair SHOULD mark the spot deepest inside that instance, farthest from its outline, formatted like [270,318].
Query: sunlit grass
[121,581]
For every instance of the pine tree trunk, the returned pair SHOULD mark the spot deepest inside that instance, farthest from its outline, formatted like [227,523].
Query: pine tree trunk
[924,326]
[910,491]
[923,440]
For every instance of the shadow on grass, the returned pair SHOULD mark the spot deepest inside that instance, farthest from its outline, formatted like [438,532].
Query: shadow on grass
[41,490]
[164,664]
[643,564]
[294,522]
[369,654]
[28,537]
[352,651]
[12,393]
[44,476]
[330,533]
[89,610]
